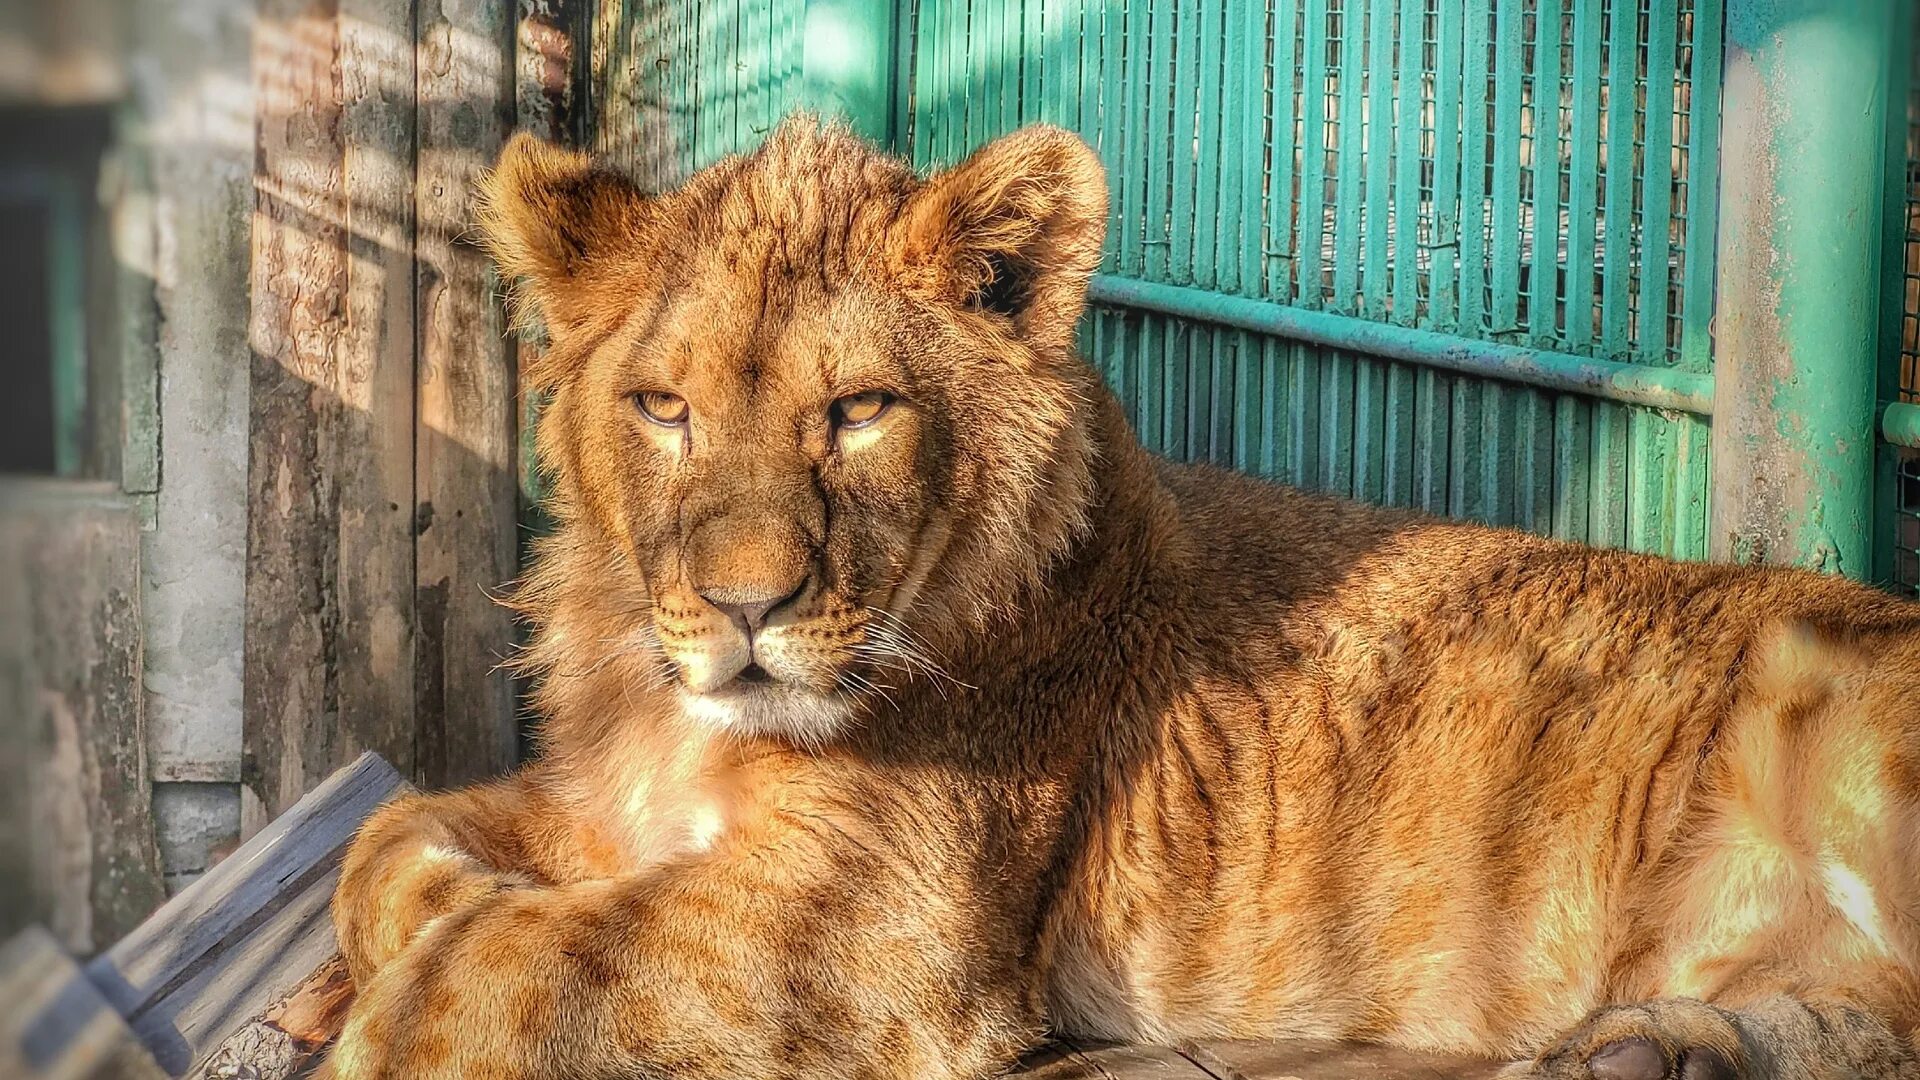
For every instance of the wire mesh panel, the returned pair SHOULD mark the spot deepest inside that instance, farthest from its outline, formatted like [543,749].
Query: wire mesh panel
[1537,172]
[1906,478]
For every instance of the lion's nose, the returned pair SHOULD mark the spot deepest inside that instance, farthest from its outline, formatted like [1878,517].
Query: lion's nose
[749,605]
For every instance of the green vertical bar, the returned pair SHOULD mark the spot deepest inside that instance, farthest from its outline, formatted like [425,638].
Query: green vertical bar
[1215,208]
[1386,259]
[1693,490]
[1444,305]
[1409,161]
[1237,153]
[1800,253]
[1649,498]
[1378,262]
[1062,36]
[1158,115]
[1034,51]
[1349,207]
[976,44]
[1543,303]
[1432,416]
[1656,184]
[1134,156]
[1116,134]
[1607,475]
[1504,272]
[1623,56]
[1006,68]
[1249,394]
[1473,168]
[925,46]
[1338,434]
[1309,289]
[1893,297]
[1583,208]
[1180,163]
[1689,469]
[1703,186]
[1658,493]
[735,76]
[1314,75]
[1279,254]
[1572,461]
[1268,209]
[1534,448]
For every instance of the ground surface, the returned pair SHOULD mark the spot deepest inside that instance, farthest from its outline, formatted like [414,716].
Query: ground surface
[1245,1061]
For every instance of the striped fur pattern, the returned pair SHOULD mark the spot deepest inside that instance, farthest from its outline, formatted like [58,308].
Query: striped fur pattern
[876,749]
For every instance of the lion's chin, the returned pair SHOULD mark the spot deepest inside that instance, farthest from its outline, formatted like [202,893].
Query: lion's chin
[778,710]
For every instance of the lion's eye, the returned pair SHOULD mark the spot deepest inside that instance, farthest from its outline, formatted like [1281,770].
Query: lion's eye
[859,410]
[667,410]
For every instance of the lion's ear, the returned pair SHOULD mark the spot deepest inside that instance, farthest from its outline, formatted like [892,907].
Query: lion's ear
[548,216]
[1015,229]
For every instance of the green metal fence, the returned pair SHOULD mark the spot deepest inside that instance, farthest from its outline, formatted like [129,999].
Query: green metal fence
[1452,254]
[1519,173]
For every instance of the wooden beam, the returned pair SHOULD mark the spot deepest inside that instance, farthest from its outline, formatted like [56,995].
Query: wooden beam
[249,933]
[329,593]
[1308,1059]
[55,1025]
[465,456]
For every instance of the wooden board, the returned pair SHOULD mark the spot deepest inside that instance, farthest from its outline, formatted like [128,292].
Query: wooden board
[466,450]
[248,933]
[1314,1060]
[1235,1060]
[329,593]
[382,501]
[55,1025]
[72,717]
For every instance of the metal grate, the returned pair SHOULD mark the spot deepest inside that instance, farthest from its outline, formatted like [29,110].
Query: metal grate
[1522,171]
[1906,541]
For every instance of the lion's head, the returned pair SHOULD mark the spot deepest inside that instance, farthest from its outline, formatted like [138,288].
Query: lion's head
[809,411]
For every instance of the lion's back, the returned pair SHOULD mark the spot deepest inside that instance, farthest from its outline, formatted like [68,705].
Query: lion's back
[1453,752]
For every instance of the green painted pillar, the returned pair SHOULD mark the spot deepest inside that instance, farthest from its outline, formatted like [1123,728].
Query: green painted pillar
[847,56]
[1797,318]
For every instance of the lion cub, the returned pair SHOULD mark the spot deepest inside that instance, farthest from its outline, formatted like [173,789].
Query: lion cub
[899,707]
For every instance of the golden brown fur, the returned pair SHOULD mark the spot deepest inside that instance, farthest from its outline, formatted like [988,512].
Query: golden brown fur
[1040,730]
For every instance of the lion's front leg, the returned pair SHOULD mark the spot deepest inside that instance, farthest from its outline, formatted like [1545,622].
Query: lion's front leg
[795,963]
[423,856]
[1777,1038]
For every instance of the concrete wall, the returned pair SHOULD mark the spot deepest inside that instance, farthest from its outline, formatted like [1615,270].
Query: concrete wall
[183,227]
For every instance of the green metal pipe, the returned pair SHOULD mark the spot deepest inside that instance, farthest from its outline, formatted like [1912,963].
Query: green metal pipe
[1656,387]
[1804,128]
[1900,424]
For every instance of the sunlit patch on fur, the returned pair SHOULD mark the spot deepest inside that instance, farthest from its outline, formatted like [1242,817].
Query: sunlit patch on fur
[1848,892]
[779,710]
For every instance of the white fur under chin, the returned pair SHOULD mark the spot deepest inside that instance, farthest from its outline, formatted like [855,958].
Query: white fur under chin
[774,710]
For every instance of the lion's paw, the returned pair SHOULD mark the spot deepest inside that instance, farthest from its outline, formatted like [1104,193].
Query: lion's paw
[1658,1040]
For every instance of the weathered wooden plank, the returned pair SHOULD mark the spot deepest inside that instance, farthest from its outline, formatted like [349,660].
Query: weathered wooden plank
[1079,1060]
[1138,1062]
[74,772]
[288,1039]
[1302,1059]
[55,1025]
[465,449]
[329,589]
[250,931]
[372,441]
